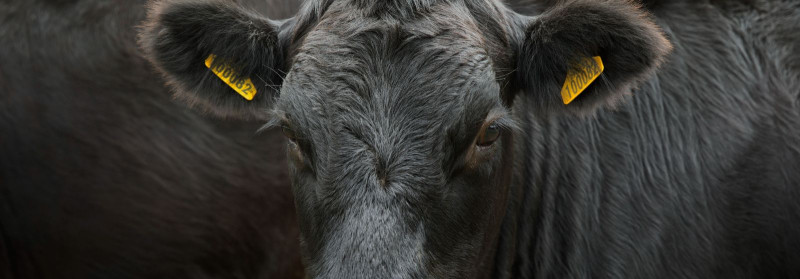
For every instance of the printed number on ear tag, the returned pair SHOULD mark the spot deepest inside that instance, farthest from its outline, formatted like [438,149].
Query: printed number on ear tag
[242,85]
[580,76]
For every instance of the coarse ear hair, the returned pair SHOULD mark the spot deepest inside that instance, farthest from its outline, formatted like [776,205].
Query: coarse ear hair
[179,35]
[629,43]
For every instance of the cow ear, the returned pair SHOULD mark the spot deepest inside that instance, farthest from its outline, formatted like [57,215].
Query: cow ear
[179,36]
[564,40]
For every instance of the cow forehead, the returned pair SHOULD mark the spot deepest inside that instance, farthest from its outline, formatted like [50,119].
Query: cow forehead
[359,63]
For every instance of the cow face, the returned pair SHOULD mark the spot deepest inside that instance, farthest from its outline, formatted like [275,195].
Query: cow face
[397,111]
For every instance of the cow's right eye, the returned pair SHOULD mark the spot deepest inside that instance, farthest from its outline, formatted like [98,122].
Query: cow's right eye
[289,133]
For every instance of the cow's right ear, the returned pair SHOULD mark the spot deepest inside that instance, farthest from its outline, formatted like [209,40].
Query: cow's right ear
[179,36]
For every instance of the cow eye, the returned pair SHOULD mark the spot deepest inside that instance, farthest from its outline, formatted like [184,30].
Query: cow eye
[289,133]
[489,135]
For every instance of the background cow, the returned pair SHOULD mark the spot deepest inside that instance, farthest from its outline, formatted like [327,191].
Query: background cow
[103,175]
[428,138]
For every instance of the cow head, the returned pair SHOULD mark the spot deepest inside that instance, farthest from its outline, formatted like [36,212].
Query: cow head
[397,112]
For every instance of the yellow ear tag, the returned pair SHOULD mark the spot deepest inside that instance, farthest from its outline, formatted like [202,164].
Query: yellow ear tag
[243,85]
[579,77]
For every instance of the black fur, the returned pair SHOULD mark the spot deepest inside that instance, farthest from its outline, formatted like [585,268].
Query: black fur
[104,175]
[694,175]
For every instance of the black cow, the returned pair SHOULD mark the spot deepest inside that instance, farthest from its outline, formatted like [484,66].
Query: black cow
[103,175]
[429,138]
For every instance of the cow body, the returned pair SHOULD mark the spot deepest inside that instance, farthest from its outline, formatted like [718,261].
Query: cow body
[428,138]
[696,175]
[103,175]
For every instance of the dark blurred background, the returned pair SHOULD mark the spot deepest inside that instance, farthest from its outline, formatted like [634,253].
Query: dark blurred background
[104,175]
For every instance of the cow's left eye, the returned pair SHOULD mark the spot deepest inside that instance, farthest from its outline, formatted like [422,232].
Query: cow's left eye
[488,135]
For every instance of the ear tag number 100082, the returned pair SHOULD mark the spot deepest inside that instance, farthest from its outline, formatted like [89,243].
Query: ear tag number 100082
[580,76]
[242,85]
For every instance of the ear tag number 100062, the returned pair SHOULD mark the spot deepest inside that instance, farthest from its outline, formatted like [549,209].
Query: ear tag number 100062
[580,76]
[242,85]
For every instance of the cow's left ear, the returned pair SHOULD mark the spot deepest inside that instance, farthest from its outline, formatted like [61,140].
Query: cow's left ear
[247,54]
[628,43]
